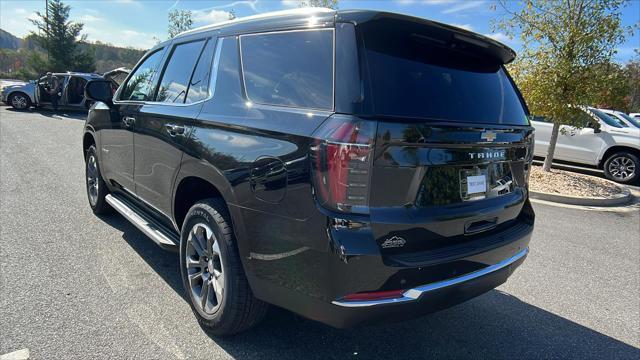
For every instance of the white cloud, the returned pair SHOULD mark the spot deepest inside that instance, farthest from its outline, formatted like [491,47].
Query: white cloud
[123,38]
[87,18]
[33,16]
[462,6]
[135,3]
[252,4]
[20,11]
[463,26]
[211,16]
[290,3]
[502,37]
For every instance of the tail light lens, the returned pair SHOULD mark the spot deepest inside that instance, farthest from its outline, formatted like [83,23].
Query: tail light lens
[530,141]
[341,157]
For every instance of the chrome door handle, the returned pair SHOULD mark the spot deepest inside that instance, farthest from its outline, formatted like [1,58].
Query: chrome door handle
[128,121]
[175,130]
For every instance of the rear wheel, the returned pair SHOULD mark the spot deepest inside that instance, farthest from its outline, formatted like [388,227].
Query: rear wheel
[622,167]
[19,101]
[212,274]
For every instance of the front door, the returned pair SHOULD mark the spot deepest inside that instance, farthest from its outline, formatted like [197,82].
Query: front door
[116,153]
[163,125]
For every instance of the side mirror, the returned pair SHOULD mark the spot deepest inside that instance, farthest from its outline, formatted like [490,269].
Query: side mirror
[99,90]
[586,131]
[594,126]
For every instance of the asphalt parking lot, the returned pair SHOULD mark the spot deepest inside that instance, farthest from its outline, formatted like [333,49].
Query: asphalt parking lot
[77,286]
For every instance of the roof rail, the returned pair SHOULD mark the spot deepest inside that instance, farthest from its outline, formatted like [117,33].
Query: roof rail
[267,15]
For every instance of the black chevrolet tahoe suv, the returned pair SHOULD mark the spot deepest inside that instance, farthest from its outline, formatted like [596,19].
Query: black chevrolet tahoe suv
[350,166]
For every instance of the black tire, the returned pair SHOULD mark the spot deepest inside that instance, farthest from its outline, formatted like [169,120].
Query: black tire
[96,188]
[622,167]
[19,101]
[235,309]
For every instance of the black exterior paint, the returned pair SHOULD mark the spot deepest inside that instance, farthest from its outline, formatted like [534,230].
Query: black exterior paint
[297,254]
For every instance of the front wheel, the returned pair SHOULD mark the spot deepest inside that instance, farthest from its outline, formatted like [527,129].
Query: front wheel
[19,101]
[96,187]
[622,167]
[212,274]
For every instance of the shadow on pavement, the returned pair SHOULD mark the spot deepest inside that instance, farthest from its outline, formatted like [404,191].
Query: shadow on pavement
[61,114]
[494,325]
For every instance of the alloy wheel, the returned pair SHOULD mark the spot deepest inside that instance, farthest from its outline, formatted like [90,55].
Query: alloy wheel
[92,179]
[205,269]
[622,168]
[19,101]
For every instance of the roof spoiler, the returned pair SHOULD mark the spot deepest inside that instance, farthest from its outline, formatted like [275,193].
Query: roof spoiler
[440,33]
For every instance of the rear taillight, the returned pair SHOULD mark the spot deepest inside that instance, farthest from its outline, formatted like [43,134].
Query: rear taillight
[341,157]
[530,143]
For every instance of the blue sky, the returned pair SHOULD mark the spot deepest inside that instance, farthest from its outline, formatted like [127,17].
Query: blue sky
[137,22]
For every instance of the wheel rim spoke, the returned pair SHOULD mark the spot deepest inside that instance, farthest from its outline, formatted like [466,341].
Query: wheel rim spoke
[205,269]
[204,292]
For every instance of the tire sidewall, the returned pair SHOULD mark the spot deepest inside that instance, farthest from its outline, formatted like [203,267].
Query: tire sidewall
[633,158]
[205,213]
[100,206]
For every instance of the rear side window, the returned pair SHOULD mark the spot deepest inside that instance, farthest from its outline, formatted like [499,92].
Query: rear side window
[293,68]
[199,84]
[140,84]
[177,73]
[412,75]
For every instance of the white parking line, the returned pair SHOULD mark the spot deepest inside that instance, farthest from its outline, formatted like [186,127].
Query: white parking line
[22,354]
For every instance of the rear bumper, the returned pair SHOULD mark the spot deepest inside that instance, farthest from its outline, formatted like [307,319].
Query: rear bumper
[430,286]
[429,290]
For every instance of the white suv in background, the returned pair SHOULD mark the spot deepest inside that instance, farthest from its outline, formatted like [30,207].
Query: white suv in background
[603,142]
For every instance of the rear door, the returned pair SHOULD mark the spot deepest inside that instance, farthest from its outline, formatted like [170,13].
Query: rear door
[116,153]
[163,125]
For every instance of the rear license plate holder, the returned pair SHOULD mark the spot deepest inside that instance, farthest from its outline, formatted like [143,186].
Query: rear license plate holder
[473,184]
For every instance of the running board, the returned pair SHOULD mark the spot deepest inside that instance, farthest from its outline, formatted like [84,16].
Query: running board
[158,233]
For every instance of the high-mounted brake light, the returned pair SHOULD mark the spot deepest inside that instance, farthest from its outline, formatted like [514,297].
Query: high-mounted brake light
[341,160]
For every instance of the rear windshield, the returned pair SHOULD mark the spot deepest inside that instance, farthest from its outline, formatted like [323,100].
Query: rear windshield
[411,74]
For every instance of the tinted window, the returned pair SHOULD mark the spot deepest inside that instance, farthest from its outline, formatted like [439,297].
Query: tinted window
[199,85]
[412,75]
[289,68]
[606,119]
[634,121]
[177,72]
[140,84]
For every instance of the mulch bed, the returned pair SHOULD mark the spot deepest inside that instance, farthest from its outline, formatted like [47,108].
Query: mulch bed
[569,183]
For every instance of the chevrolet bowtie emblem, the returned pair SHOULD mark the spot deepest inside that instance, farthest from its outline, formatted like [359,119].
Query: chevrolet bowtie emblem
[488,136]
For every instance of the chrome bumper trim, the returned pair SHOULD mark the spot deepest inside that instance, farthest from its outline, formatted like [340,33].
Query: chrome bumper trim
[415,293]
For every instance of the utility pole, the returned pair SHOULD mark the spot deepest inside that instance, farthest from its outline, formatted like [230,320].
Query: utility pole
[46,9]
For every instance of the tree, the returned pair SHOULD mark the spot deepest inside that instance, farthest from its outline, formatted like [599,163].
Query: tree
[632,71]
[179,21]
[331,4]
[60,37]
[562,43]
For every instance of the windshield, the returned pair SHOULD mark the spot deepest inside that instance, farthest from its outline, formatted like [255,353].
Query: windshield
[412,76]
[634,122]
[607,119]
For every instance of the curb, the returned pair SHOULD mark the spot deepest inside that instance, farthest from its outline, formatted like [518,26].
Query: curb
[618,199]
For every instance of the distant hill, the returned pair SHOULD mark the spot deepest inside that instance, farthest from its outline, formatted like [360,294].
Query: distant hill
[8,41]
[15,51]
